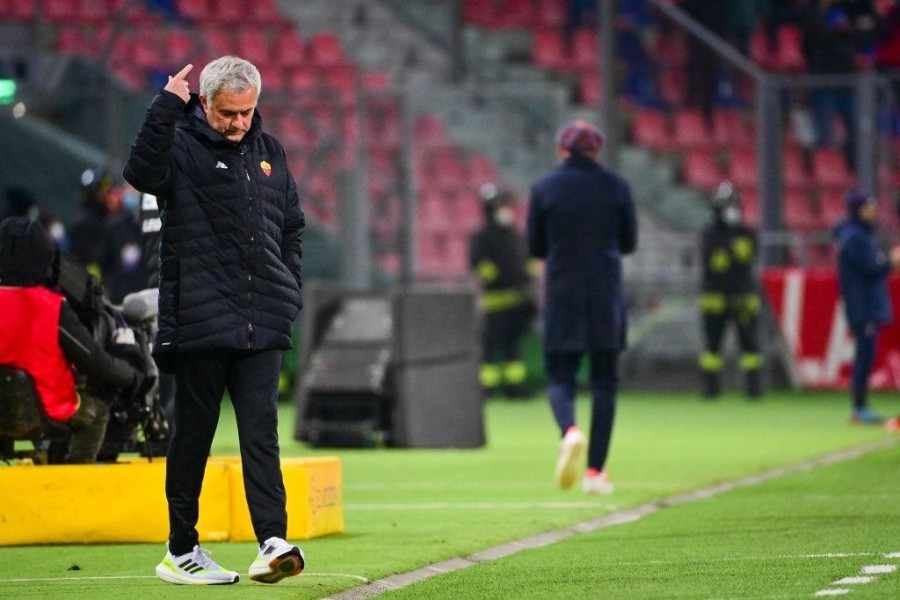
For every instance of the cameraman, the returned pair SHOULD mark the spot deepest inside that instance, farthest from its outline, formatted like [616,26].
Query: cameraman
[41,335]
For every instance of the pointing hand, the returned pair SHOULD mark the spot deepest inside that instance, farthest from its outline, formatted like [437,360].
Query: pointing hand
[178,85]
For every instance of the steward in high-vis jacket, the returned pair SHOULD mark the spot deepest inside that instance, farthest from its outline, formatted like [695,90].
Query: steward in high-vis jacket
[229,290]
[730,292]
[41,335]
[498,256]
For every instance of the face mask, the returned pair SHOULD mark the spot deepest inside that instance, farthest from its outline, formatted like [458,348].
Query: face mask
[731,215]
[505,216]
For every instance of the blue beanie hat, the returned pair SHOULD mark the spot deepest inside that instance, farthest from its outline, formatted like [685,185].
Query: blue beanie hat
[854,199]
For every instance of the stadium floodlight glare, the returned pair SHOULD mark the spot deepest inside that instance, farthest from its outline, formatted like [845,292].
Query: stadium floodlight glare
[7,91]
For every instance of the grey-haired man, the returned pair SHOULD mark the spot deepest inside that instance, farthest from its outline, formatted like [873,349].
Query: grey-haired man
[229,290]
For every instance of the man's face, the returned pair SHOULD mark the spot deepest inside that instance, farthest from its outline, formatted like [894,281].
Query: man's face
[868,212]
[230,113]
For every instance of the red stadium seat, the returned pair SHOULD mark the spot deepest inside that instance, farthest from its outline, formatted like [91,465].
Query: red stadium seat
[671,49]
[750,206]
[253,45]
[673,85]
[549,50]
[796,176]
[94,12]
[73,40]
[482,169]
[262,12]
[651,128]
[17,10]
[479,12]
[798,213]
[831,207]
[288,49]
[830,170]
[552,13]
[515,14]
[194,10]
[273,79]
[376,81]
[428,132]
[702,170]
[325,49]
[742,167]
[179,47]
[60,11]
[342,80]
[729,127]
[690,129]
[585,54]
[228,12]
[146,49]
[217,41]
[590,88]
[790,55]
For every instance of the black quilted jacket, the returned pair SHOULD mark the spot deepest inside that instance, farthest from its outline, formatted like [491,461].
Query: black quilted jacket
[229,256]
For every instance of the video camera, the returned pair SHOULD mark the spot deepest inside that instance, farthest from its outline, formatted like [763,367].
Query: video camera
[137,420]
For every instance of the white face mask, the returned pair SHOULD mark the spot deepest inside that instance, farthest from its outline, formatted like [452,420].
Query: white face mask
[732,215]
[505,216]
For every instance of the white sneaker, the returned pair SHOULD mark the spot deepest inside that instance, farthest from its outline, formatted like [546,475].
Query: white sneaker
[194,568]
[276,560]
[597,483]
[571,449]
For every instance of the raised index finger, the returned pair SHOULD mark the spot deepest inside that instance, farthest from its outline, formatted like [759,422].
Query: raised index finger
[183,72]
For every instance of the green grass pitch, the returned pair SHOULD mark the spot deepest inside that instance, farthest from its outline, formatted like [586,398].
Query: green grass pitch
[787,538]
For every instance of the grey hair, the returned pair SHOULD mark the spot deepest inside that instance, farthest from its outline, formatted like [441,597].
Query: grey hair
[230,73]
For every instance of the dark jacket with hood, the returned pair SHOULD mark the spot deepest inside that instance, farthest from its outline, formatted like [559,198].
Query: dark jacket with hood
[862,271]
[229,257]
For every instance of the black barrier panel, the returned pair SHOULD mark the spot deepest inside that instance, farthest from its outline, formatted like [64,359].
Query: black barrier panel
[398,368]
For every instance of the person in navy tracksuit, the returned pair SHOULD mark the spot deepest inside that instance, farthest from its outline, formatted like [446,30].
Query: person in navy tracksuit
[581,220]
[862,272]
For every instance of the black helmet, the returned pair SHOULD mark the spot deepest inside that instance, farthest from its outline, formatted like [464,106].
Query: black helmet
[94,185]
[27,254]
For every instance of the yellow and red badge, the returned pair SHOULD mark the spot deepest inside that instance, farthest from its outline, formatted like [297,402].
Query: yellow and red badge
[266,167]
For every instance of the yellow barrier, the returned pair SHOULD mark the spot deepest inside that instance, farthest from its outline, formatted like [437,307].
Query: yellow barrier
[126,502]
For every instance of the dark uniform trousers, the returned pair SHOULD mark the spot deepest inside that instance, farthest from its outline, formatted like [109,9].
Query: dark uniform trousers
[718,311]
[251,379]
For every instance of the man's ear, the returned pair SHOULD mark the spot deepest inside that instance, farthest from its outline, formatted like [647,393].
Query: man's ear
[203,103]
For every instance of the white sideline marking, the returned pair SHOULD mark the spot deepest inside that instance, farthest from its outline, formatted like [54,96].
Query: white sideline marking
[892,555]
[517,485]
[859,579]
[875,569]
[832,592]
[401,580]
[479,506]
[118,577]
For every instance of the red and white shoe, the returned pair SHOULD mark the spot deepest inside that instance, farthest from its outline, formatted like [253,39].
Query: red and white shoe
[596,482]
[571,451]
[892,424]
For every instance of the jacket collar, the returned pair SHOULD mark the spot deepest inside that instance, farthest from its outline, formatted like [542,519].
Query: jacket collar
[196,121]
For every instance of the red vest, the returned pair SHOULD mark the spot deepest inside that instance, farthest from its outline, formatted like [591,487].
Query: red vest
[29,340]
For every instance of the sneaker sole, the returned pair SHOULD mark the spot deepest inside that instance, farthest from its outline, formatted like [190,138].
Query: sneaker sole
[284,566]
[567,466]
[170,577]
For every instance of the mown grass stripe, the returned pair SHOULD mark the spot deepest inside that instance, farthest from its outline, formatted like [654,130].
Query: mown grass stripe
[401,580]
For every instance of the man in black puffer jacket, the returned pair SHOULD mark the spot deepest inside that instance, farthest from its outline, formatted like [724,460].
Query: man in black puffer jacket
[229,289]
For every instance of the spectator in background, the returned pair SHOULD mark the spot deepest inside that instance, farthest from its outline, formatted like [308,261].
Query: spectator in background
[835,31]
[730,292]
[703,71]
[124,267]
[19,203]
[498,256]
[87,234]
[581,220]
[863,269]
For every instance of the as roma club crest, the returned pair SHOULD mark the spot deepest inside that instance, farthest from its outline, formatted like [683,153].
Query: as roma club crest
[266,167]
